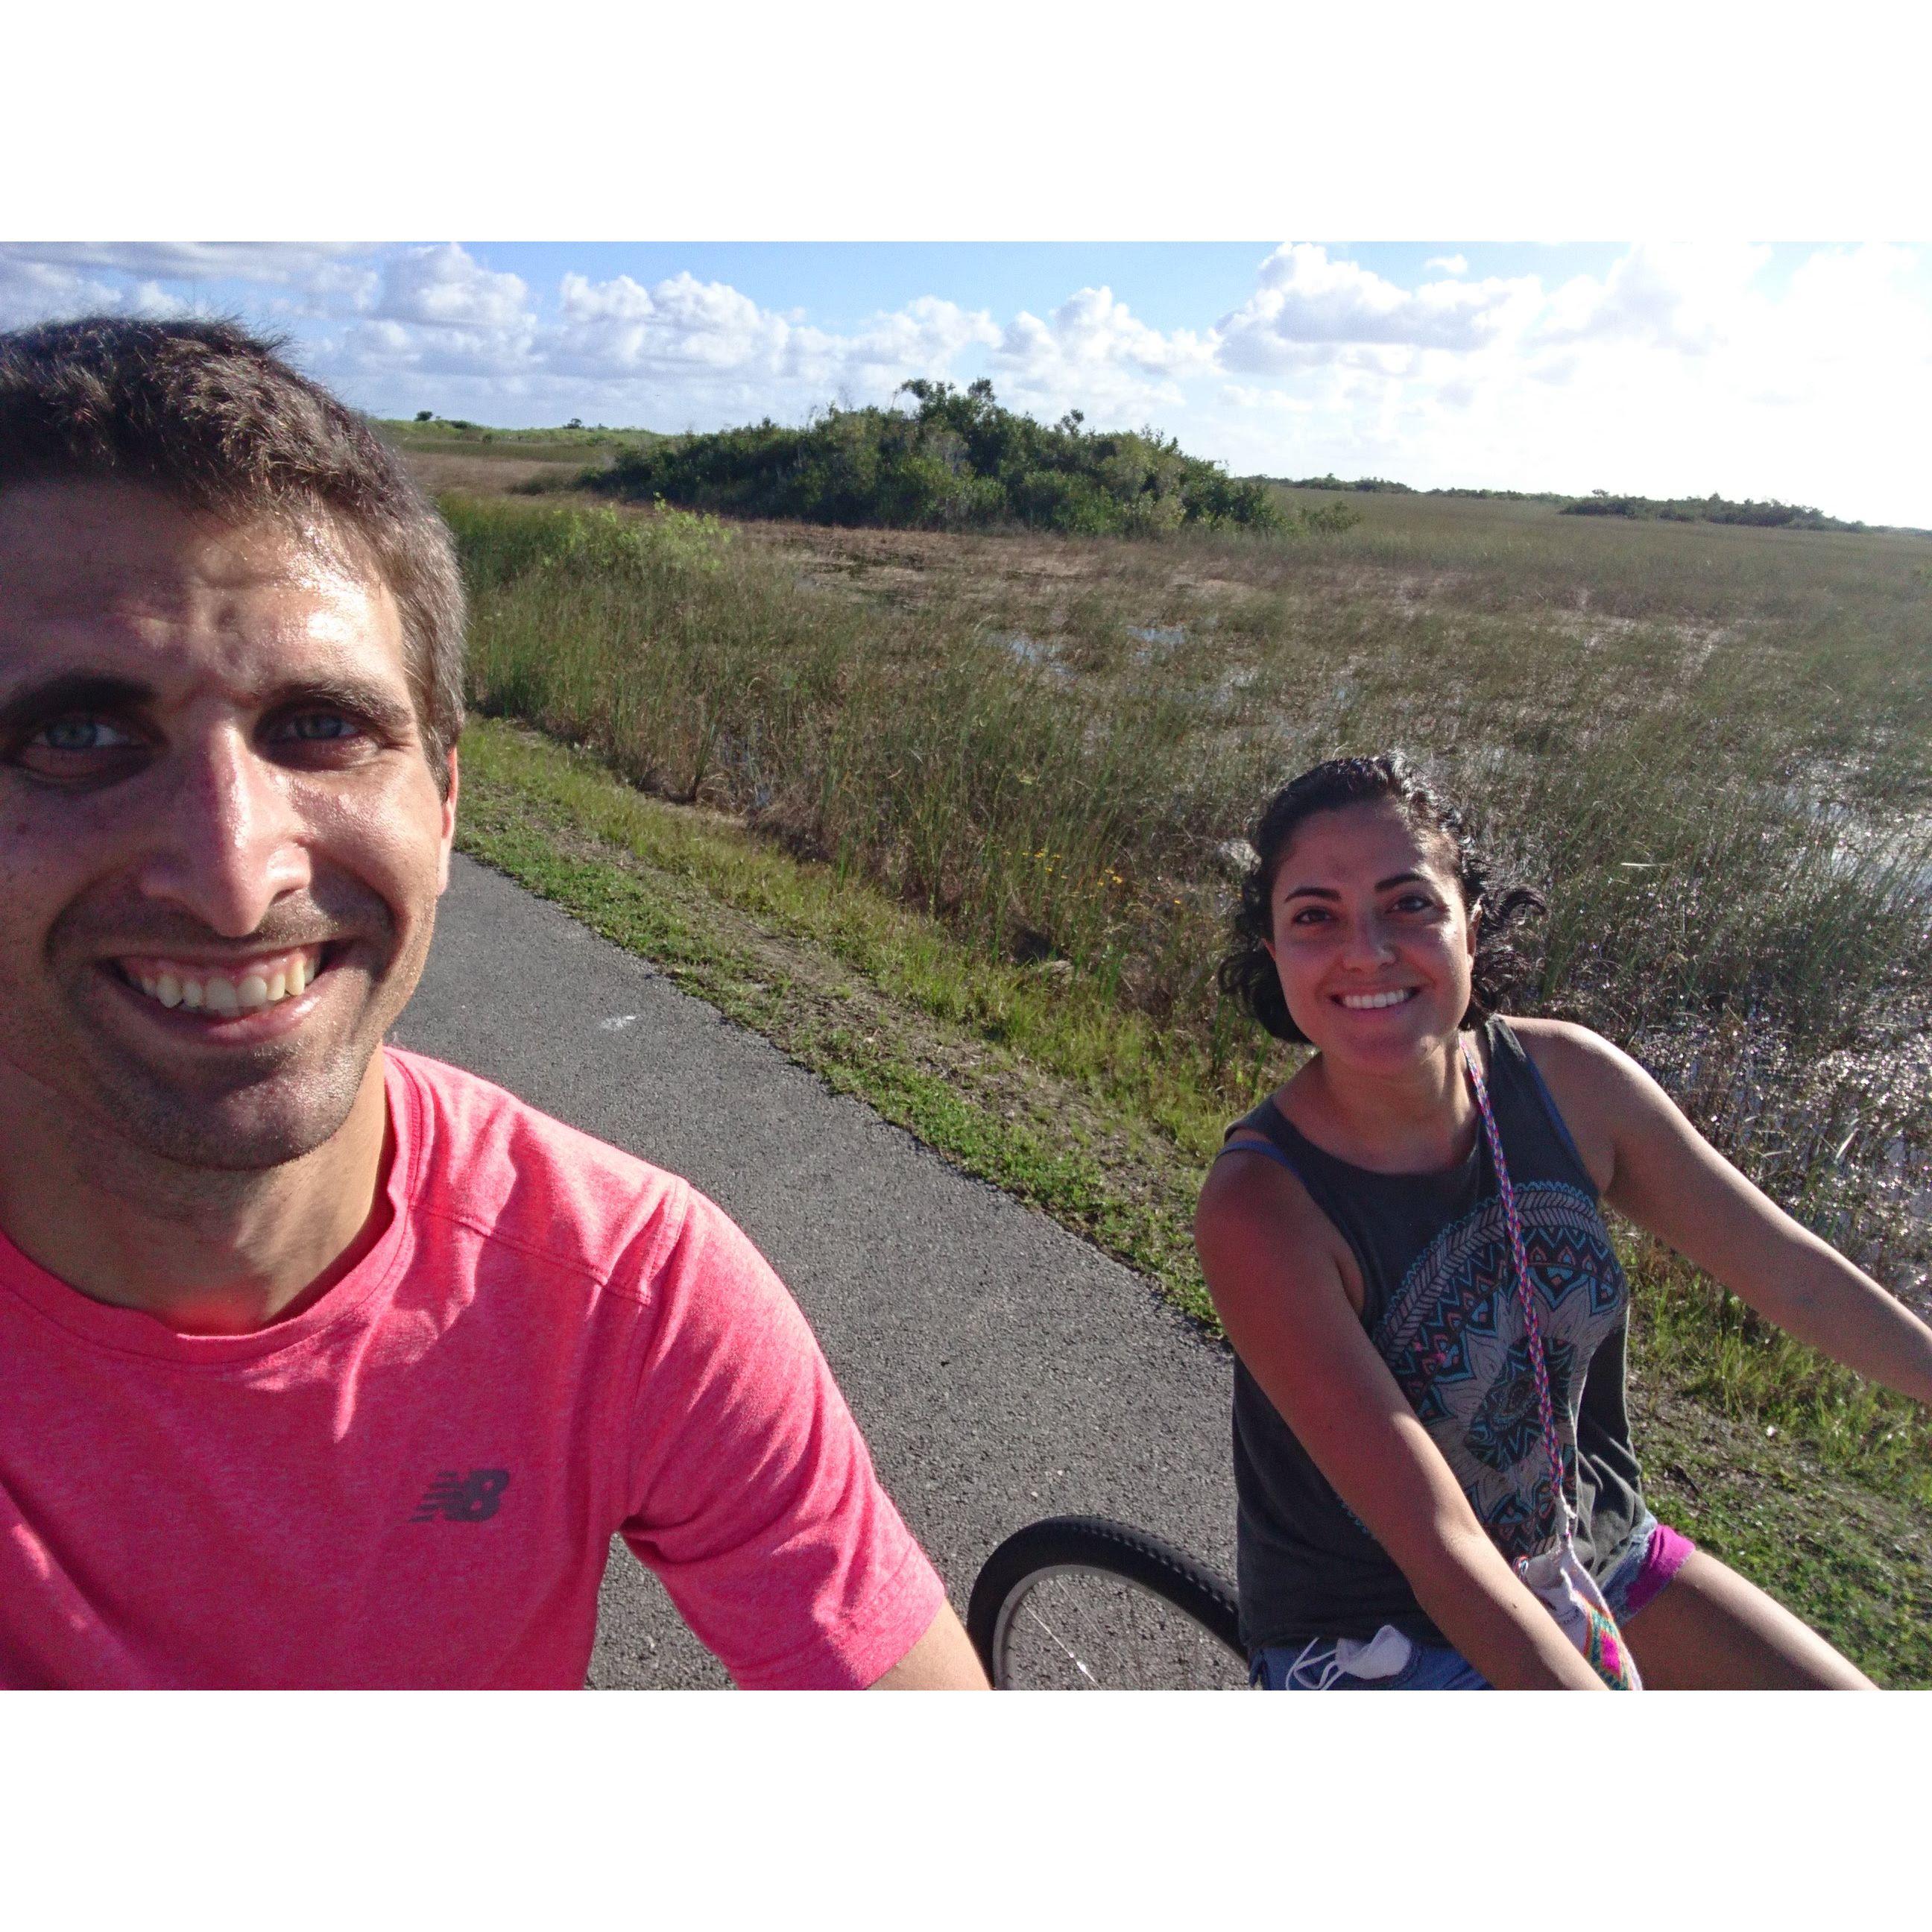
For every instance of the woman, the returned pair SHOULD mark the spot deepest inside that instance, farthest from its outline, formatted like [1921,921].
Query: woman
[1394,1436]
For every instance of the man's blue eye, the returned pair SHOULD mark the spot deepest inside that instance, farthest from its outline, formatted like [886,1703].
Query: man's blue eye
[317,727]
[81,734]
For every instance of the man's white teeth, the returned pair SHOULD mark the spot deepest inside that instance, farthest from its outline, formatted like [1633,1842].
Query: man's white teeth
[216,993]
[1368,1002]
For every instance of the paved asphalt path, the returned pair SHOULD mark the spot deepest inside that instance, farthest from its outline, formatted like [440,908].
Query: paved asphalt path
[1001,1369]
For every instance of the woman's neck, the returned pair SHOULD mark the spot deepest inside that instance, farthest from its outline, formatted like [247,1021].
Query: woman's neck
[1412,1120]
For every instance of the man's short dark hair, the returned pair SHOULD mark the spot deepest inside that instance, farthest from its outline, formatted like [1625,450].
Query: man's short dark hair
[212,414]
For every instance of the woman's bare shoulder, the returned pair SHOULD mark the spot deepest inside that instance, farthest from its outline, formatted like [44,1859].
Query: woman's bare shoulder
[1586,1076]
[1255,1221]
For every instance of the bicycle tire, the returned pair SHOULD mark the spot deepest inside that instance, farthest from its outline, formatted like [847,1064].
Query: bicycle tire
[1136,1565]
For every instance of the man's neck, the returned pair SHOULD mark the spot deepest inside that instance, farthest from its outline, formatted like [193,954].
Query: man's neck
[205,1251]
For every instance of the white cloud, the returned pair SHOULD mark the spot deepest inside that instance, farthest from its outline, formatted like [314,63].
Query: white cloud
[709,334]
[445,287]
[33,288]
[924,336]
[1677,371]
[620,328]
[1672,369]
[1307,304]
[1245,396]
[1687,298]
[311,278]
[276,261]
[1093,353]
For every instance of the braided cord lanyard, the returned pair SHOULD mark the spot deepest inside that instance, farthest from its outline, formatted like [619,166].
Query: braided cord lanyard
[1601,1641]
[1546,1408]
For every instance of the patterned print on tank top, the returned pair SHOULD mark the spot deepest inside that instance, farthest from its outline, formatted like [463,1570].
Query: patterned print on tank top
[1453,1335]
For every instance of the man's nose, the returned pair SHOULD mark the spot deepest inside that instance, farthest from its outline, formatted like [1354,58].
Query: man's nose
[226,844]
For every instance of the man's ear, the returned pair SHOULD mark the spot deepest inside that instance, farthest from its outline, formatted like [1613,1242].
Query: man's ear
[449,826]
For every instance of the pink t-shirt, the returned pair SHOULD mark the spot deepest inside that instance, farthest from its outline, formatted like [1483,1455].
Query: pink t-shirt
[414,1481]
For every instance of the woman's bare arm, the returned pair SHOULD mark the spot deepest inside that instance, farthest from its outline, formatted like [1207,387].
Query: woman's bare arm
[1264,1249]
[1668,1179]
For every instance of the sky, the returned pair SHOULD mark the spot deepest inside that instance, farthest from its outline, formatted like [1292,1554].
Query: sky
[1801,371]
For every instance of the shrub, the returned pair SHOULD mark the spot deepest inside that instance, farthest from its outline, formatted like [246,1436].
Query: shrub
[955,461]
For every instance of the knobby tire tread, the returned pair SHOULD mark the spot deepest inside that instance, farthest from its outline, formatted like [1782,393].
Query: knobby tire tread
[1099,1543]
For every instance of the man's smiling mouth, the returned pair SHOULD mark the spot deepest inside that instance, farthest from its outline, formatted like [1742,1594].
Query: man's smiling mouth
[234,987]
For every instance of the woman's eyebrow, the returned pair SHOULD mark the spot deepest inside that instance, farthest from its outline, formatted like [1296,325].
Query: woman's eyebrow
[72,691]
[1328,892]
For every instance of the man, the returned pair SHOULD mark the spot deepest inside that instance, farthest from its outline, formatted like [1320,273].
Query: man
[322,1363]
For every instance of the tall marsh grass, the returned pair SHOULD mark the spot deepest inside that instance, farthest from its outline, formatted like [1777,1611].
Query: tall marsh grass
[1707,746]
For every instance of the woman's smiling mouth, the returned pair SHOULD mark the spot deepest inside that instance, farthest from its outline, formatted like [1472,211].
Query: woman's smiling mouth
[1369,1003]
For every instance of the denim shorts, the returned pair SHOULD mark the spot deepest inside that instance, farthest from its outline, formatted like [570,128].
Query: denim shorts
[1391,1661]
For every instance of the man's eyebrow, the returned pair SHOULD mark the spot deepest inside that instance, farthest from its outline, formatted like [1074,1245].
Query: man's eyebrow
[72,691]
[69,691]
[327,693]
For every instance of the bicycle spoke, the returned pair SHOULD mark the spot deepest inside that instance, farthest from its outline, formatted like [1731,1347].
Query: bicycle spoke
[1073,1657]
[1080,1631]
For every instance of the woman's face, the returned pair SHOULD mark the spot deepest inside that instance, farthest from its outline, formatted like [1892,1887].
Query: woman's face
[1371,940]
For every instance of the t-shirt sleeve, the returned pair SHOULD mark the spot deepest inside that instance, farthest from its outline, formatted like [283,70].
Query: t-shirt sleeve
[753,1498]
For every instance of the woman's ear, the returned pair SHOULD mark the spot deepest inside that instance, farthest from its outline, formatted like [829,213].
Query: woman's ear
[1475,919]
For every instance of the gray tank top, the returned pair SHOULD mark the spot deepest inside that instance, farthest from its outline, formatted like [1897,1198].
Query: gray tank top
[1440,1305]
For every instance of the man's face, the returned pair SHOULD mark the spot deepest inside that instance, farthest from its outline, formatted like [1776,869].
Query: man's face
[220,842]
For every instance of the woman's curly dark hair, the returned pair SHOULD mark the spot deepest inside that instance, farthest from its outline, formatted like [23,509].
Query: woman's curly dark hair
[1248,975]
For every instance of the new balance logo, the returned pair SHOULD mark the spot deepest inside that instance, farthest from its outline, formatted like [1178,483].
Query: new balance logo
[463,1499]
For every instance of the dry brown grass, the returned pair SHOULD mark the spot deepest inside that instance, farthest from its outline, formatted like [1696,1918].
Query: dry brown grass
[1706,744]
[442,471]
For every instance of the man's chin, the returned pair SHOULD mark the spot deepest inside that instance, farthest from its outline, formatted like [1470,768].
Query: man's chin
[255,1148]
[250,1130]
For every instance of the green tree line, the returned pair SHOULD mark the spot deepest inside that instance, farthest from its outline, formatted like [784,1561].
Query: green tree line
[1711,509]
[957,459]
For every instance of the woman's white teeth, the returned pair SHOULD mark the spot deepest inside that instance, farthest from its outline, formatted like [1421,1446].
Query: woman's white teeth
[1368,1002]
[216,993]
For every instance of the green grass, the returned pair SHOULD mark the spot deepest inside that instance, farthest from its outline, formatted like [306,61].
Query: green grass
[1045,1089]
[1776,1460]
[984,784]
[438,437]
[1705,745]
